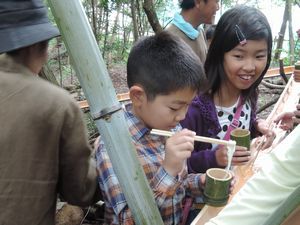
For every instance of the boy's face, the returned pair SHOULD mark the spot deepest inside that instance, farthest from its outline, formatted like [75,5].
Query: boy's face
[164,111]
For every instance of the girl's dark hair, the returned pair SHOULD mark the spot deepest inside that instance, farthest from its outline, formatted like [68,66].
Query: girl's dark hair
[163,64]
[254,26]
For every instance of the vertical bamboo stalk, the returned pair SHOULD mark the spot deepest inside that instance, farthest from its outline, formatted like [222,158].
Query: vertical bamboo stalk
[97,86]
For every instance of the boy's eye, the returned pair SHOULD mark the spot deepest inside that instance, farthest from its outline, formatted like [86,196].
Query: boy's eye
[173,109]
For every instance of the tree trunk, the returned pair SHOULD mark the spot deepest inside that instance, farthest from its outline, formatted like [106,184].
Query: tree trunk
[100,22]
[134,21]
[151,15]
[94,17]
[100,93]
[106,12]
[139,17]
[281,33]
[124,30]
[112,37]
[291,33]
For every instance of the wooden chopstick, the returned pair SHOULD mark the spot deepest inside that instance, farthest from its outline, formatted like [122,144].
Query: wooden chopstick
[258,148]
[196,138]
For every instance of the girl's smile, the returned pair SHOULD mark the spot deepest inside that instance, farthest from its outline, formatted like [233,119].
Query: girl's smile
[243,65]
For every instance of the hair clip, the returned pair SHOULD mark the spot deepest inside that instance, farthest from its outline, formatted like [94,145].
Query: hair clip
[240,35]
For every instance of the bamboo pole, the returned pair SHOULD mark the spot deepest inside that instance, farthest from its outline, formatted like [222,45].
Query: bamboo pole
[97,86]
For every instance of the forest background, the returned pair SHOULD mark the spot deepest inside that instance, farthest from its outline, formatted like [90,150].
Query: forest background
[117,24]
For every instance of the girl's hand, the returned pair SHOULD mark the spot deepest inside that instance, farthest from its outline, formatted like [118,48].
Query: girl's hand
[178,148]
[240,156]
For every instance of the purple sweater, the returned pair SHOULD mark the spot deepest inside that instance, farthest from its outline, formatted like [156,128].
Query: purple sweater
[202,118]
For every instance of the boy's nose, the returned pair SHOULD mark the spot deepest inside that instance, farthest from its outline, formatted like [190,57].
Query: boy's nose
[181,115]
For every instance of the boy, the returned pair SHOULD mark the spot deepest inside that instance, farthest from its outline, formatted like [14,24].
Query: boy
[163,76]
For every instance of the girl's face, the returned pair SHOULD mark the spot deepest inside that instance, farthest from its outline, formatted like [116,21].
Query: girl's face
[243,65]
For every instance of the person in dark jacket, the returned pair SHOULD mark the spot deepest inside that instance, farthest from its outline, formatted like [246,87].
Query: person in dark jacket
[44,147]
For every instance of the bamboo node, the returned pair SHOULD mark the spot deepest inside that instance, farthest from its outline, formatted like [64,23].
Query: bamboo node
[106,112]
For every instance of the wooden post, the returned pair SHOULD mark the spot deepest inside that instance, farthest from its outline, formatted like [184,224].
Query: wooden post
[97,86]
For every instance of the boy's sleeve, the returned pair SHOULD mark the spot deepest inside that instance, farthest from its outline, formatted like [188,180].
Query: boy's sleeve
[163,185]
[193,185]
[109,184]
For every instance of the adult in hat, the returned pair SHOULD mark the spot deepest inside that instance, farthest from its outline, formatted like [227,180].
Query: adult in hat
[186,23]
[44,148]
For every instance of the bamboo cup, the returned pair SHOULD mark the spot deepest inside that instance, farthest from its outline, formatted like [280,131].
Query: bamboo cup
[241,136]
[217,186]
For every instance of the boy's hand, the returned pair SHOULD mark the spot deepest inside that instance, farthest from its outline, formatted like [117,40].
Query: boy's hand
[178,148]
[240,156]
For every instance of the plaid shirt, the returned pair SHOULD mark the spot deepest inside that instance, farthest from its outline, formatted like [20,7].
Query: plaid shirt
[168,191]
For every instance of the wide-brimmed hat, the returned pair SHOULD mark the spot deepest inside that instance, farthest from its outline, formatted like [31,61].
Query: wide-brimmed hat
[23,23]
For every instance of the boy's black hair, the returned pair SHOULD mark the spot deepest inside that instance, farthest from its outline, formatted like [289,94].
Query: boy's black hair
[254,26]
[163,64]
[187,4]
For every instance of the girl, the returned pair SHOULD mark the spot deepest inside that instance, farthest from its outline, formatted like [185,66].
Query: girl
[238,58]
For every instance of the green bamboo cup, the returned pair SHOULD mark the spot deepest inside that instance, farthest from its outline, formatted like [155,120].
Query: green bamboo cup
[241,136]
[217,187]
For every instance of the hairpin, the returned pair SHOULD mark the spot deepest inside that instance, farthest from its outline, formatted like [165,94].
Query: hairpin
[240,35]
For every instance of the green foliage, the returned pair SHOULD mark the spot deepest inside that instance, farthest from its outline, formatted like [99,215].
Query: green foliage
[91,126]
[297,50]
[165,10]
[286,55]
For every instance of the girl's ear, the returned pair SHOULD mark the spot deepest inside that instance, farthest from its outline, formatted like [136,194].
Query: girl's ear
[137,95]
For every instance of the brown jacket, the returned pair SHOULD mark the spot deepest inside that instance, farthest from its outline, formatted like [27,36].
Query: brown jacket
[198,45]
[43,149]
